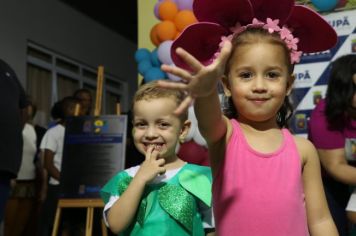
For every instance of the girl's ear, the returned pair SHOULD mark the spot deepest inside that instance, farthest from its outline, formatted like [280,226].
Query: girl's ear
[226,86]
[184,131]
[290,84]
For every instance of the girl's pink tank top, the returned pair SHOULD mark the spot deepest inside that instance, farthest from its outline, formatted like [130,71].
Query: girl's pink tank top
[258,194]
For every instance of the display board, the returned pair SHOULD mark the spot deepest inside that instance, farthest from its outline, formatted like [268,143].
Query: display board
[94,151]
[312,73]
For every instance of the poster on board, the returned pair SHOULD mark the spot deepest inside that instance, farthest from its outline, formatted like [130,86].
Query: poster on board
[94,151]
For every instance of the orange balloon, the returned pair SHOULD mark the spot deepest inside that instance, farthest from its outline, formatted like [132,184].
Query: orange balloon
[177,34]
[166,30]
[153,35]
[167,10]
[184,18]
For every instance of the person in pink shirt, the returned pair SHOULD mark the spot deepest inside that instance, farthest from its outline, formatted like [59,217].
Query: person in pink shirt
[265,180]
[332,129]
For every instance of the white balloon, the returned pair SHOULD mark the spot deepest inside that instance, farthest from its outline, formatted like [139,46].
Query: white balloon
[164,52]
[173,77]
[198,138]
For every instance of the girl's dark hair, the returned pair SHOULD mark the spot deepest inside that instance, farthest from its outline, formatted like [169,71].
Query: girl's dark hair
[340,91]
[250,36]
[79,91]
[58,110]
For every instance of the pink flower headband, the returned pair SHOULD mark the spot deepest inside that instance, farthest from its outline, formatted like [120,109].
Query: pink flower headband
[271,26]
[301,28]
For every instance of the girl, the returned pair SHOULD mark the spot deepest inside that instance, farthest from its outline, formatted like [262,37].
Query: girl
[164,195]
[266,181]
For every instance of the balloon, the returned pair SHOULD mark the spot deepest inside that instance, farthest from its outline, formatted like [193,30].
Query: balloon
[185,4]
[154,58]
[167,10]
[198,138]
[172,76]
[142,54]
[144,66]
[193,153]
[153,35]
[164,52]
[166,30]
[183,19]
[153,73]
[155,10]
[325,5]
[177,35]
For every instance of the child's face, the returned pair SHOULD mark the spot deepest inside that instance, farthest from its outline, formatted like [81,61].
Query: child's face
[258,81]
[155,124]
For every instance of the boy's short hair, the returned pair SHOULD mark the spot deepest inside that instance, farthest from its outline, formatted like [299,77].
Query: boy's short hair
[151,90]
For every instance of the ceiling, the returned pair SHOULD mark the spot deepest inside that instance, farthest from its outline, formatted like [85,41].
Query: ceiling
[122,19]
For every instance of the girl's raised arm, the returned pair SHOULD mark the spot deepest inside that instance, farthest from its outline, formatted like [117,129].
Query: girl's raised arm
[201,85]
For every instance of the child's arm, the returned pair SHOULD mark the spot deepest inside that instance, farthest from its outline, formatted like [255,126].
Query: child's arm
[201,85]
[320,221]
[49,164]
[124,209]
[335,163]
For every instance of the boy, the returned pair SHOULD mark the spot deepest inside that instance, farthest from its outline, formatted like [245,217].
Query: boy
[164,195]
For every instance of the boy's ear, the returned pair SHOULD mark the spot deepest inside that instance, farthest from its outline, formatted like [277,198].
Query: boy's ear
[226,86]
[185,130]
[290,83]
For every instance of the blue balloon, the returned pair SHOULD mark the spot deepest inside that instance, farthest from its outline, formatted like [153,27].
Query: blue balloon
[144,66]
[154,58]
[142,54]
[154,73]
[325,5]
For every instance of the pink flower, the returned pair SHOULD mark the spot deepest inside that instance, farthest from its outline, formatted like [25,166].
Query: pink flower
[292,43]
[286,33]
[295,56]
[272,25]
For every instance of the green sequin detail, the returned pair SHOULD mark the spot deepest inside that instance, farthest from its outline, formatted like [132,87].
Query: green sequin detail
[142,212]
[123,184]
[178,203]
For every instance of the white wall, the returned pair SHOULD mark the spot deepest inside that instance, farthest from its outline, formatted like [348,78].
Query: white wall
[58,27]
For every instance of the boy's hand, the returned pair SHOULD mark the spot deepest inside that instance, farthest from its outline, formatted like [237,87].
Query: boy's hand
[152,166]
[202,80]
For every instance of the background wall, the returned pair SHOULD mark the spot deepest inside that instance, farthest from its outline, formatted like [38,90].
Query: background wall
[312,73]
[56,26]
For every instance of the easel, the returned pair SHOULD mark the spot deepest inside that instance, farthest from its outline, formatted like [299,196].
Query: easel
[89,203]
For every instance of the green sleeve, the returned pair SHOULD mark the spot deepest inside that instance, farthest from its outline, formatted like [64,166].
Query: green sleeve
[115,186]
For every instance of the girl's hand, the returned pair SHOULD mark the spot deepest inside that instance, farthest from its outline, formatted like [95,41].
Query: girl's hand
[152,166]
[201,81]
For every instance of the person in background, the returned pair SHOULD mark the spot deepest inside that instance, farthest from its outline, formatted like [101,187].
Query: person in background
[85,100]
[332,129]
[52,146]
[21,207]
[12,105]
[159,197]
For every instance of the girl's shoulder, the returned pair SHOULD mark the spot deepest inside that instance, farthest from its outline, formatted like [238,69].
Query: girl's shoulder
[305,148]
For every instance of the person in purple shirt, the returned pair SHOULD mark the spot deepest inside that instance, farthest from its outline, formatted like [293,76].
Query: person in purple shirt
[332,129]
